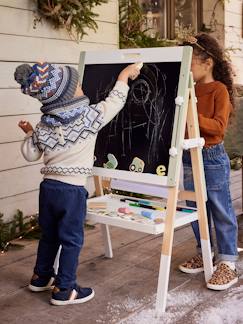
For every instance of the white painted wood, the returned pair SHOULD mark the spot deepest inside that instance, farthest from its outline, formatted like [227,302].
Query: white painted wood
[22,4]
[207,259]
[20,43]
[19,181]
[161,54]
[13,157]
[142,188]
[103,10]
[126,175]
[26,202]
[14,102]
[237,66]
[108,11]
[233,36]
[107,240]
[142,224]
[20,22]
[9,130]
[233,6]
[163,282]
[26,49]
[235,17]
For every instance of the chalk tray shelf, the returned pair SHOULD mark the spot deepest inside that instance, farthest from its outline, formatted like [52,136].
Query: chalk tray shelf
[135,221]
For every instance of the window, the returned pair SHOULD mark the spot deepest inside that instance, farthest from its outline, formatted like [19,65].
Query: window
[170,17]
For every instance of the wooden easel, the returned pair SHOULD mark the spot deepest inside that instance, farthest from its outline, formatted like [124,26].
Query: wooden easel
[199,196]
[185,114]
[194,143]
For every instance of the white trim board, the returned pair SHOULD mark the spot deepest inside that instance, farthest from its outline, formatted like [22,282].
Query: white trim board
[148,55]
[127,175]
[141,188]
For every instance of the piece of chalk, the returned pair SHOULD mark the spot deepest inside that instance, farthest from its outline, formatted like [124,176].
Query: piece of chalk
[147,213]
[151,214]
[139,65]
[124,210]
[97,205]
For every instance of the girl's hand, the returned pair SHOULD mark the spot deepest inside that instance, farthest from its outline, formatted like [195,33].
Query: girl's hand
[25,126]
[132,71]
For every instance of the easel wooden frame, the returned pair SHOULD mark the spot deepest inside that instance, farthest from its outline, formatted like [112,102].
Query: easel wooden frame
[185,114]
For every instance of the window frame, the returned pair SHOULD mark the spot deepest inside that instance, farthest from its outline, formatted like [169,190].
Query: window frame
[170,17]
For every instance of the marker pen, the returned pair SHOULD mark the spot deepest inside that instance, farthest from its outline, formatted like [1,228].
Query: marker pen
[185,210]
[141,206]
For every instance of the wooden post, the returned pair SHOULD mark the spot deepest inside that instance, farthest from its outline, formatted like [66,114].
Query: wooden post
[104,228]
[199,184]
[200,195]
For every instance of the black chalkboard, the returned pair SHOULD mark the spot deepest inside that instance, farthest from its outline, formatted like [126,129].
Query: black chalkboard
[143,128]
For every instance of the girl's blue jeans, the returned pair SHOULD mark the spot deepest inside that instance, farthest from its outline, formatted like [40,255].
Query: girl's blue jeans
[62,210]
[219,204]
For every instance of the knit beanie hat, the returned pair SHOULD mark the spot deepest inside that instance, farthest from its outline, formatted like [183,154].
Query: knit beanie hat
[49,83]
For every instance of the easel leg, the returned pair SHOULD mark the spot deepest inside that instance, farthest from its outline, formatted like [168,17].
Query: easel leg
[56,262]
[104,228]
[200,187]
[165,261]
[107,240]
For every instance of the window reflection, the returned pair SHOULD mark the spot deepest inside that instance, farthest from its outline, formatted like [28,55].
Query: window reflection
[154,17]
[185,15]
[169,18]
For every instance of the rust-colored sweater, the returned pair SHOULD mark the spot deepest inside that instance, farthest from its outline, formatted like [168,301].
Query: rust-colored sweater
[214,108]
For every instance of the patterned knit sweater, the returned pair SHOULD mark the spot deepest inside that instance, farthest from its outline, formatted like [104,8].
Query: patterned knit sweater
[68,150]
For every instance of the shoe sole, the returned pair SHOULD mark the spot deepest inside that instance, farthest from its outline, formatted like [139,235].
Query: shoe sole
[39,289]
[222,287]
[193,271]
[49,286]
[71,302]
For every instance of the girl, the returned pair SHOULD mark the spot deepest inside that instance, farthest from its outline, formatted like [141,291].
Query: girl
[214,91]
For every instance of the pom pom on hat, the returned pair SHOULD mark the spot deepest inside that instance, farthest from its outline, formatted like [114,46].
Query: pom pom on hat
[46,82]
[22,73]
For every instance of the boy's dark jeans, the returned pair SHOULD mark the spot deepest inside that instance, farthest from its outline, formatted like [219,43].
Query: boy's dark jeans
[62,210]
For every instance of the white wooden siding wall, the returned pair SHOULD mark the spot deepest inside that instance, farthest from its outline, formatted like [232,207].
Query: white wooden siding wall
[19,180]
[228,30]
[233,35]
[208,6]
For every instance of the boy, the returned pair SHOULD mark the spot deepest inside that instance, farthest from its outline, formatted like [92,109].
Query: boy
[65,137]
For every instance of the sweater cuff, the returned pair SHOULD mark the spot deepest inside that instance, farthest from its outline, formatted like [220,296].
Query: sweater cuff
[29,134]
[122,86]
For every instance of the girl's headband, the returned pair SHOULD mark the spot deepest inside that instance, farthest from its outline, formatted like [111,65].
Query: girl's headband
[193,41]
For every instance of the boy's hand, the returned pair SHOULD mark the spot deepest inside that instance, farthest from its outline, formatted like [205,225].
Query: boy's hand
[25,126]
[132,71]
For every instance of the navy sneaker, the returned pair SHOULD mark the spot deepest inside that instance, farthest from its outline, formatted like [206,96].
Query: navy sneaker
[77,295]
[38,284]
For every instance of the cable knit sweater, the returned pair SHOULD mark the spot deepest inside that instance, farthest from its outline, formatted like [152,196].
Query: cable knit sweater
[68,150]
